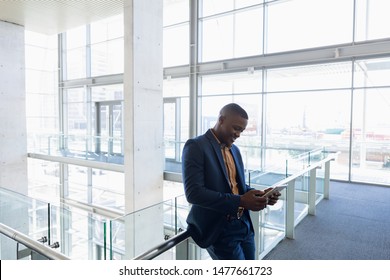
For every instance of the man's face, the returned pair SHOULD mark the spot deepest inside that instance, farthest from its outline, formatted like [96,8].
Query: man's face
[231,127]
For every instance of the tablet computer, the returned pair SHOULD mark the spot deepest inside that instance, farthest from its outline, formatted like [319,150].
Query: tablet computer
[275,189]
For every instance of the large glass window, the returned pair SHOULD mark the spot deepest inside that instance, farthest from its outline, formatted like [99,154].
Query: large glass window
[176,121]
[371,19]
[249,141]
[310,77]
[107,44]
[372,73]
[41,61]
[311,110]
[303,121]
[237,83]
[371,136]
[107,93]
[107,57]
[95,50]
[41,84]
[75,102]
[213,7]
[107,116]
[175,11]
[232,35]
[107,29]
[108,189]
[371,130]
[176,46]
[44,180]
[301,24]
[75,53]
[78,187]
[243,89]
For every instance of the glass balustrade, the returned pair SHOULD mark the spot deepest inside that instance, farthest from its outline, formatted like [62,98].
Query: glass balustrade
[272,222]
[12,250]
[97,148]
[135,233]
[24,214]
[73,232]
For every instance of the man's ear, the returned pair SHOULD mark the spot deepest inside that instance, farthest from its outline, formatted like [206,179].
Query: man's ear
[221,119]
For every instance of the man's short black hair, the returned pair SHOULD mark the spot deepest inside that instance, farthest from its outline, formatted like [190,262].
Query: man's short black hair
[235,109]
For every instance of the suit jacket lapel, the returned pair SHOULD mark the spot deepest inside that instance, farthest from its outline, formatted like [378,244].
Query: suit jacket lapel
[218,152]
[239,168]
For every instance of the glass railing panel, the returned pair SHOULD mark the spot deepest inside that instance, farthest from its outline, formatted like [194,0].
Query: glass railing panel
[118,237]
[172,154]
[176,212]
[74,232]
[76,146]
[261,180]
[26,215]
[12,250]
[263,158]
[169,146]
[320,182]
[137,232]
[42,144]
[108,198]
[182,210]
[107,191]
[26,247]
[296,164]
[270,169]
[97,148]
[303,159]
[311,158]
[170,226]
[301,197]
[81,235]
[317,155]
[53,144]
[272,224]
[276,164]
[106,149]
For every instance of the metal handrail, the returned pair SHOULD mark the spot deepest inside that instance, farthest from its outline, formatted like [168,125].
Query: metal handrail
[163,247]
[31,243]
[317,164]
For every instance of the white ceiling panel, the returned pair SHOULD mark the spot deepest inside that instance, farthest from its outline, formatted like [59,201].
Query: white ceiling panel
[55,16]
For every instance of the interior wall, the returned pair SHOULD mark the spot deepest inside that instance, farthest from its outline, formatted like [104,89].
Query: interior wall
[13,140]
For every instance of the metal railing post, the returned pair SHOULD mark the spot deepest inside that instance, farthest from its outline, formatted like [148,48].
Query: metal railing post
[182,250]
[312,191]
[290,206]
[327,179]
[255,217]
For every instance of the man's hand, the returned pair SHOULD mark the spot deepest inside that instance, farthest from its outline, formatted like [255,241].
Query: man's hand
[252,200]
[273,198]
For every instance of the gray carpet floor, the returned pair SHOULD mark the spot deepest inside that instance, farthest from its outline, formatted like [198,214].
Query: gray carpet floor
[354,224]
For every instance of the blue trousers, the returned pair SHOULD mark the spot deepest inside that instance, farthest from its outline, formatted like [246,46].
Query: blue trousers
[236,242]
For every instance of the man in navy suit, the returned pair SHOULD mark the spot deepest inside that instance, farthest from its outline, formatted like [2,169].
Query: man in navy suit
[214,183]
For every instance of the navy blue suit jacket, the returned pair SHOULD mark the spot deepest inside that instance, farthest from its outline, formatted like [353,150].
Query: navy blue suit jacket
[207,187]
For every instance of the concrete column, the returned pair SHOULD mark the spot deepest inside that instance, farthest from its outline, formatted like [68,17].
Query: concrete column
[143,117]
[13,140]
